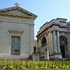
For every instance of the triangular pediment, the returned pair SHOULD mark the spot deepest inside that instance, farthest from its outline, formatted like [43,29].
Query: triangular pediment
[17,11]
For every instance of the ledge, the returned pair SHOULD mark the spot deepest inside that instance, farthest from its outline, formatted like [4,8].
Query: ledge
[15,31]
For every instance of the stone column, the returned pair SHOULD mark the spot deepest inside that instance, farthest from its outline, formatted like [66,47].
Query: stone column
[54,42]
[58,42]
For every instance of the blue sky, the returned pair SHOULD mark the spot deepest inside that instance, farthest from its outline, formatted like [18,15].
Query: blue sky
[46,10]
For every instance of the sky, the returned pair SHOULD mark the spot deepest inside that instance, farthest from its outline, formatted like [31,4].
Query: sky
[46,10]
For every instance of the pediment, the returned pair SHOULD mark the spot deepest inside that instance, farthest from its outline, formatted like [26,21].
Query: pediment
[16,10]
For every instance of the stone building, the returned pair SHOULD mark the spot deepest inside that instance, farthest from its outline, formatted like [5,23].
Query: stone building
[16,33]
[54,39]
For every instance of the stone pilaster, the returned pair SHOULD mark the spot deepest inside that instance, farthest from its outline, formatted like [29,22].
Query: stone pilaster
[47,54]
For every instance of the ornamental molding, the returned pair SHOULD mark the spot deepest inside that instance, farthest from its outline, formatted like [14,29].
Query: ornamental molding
[15,31]
[17,21]
[17,16]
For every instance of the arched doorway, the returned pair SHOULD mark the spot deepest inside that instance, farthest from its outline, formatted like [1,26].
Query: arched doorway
[63,45]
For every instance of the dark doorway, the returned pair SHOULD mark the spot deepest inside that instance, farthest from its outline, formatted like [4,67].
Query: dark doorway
[62,48]
[63,45]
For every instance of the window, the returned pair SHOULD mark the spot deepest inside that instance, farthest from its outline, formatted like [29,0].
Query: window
[15,45]
[44,41]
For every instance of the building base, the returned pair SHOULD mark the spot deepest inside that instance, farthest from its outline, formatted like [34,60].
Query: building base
[56,56]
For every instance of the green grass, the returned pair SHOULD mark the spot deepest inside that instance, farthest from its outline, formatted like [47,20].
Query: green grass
[34,65]
[54,69]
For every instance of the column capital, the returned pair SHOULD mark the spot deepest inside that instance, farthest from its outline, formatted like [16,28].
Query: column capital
[55,30]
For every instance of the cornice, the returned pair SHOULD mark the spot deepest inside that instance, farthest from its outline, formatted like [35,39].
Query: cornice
[17,16]
[49,26]
[17,22]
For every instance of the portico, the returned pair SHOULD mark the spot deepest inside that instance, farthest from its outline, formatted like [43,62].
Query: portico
[57,35]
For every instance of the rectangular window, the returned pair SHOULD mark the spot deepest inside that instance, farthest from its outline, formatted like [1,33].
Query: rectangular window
[15,45]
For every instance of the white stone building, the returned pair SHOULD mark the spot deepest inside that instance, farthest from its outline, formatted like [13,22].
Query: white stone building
[16,33]
[54,39]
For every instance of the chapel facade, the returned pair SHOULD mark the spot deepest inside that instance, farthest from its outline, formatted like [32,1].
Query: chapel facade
[54,39]
[16,33]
